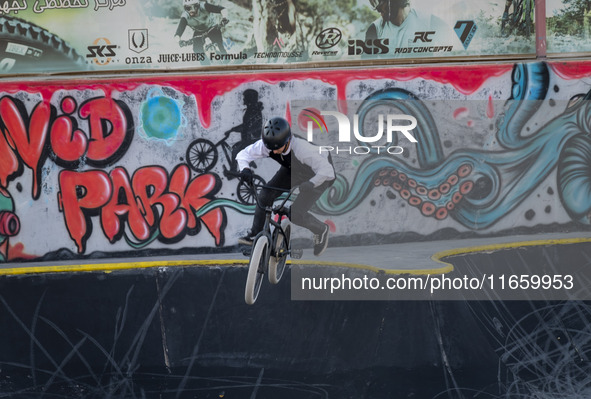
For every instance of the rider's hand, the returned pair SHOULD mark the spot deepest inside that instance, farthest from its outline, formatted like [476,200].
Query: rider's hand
[306,187]
[246,175]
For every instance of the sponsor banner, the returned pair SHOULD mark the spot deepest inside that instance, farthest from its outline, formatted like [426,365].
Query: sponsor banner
[43,36]
[568,27]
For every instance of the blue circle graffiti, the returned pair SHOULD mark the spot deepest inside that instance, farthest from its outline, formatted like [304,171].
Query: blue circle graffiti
[161,117]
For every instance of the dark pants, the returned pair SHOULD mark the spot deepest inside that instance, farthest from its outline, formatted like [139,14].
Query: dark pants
[216,38]
[300,208]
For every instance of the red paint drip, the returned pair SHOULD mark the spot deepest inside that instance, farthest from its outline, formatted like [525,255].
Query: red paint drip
[461,112]
[331,226]
[17,251]
[466,79]
[490,108]
[288,113]
[571,70]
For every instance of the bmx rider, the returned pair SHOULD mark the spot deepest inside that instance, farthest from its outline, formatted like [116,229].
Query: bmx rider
[301,165]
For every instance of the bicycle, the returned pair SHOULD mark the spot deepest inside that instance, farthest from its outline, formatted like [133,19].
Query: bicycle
[208,44]
[202,155]
[270,247]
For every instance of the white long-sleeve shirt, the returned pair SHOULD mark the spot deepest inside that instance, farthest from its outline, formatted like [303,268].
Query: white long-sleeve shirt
[321,170]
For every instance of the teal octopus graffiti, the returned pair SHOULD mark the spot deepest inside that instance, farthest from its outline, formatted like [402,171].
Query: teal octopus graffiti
[478,188]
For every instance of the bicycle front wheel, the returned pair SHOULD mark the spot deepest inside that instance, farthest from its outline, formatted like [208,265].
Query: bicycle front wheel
[279,258]
[259,260]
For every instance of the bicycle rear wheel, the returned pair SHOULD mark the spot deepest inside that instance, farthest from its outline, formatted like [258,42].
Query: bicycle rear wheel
[259,260]
[202,155]
[279,258]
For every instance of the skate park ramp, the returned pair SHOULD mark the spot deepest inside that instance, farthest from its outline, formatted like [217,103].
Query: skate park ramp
[180,328]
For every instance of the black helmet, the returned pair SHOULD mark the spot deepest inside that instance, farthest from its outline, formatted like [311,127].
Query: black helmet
[276,133]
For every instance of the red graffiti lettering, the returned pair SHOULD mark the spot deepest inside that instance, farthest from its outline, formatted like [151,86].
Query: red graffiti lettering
[194,195]
[146,203]
[27,139]
[81,195]
[110,129]
[30,138]
[68,144]
[9,163]
[149,184]
[123,206]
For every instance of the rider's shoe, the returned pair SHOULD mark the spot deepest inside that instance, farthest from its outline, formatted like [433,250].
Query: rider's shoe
[321,241]
[248,239]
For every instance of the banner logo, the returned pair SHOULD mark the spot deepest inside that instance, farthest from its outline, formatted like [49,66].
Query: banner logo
[370,46]
[328,38]
[465,31]
[137,39]
[101,51]
[423,36]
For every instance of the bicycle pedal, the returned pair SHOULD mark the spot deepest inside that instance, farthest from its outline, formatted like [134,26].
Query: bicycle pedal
[297,253]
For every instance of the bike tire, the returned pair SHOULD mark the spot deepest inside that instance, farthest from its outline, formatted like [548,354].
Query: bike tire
[28,48]
[278,260]
[256,269]
[202,155]
[244,191]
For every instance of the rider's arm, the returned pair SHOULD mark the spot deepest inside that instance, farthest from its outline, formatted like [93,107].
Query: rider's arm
[180,28]
[309,155]
[213,8]
[255,151]
[237,129]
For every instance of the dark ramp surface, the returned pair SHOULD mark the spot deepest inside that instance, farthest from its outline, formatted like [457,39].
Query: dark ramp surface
[186,332]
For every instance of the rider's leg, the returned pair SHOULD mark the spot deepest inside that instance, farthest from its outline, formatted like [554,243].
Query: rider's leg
[216,38]
[300,209]
[281,180]
[198,43]
[301,216]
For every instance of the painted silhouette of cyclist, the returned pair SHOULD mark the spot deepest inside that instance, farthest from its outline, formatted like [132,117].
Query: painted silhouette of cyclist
[199,16]
[251,127]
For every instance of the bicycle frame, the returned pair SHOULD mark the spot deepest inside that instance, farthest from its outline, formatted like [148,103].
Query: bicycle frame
[223,144]
[269,210]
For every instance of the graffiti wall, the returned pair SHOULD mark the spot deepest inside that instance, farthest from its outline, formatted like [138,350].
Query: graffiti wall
[104,168]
